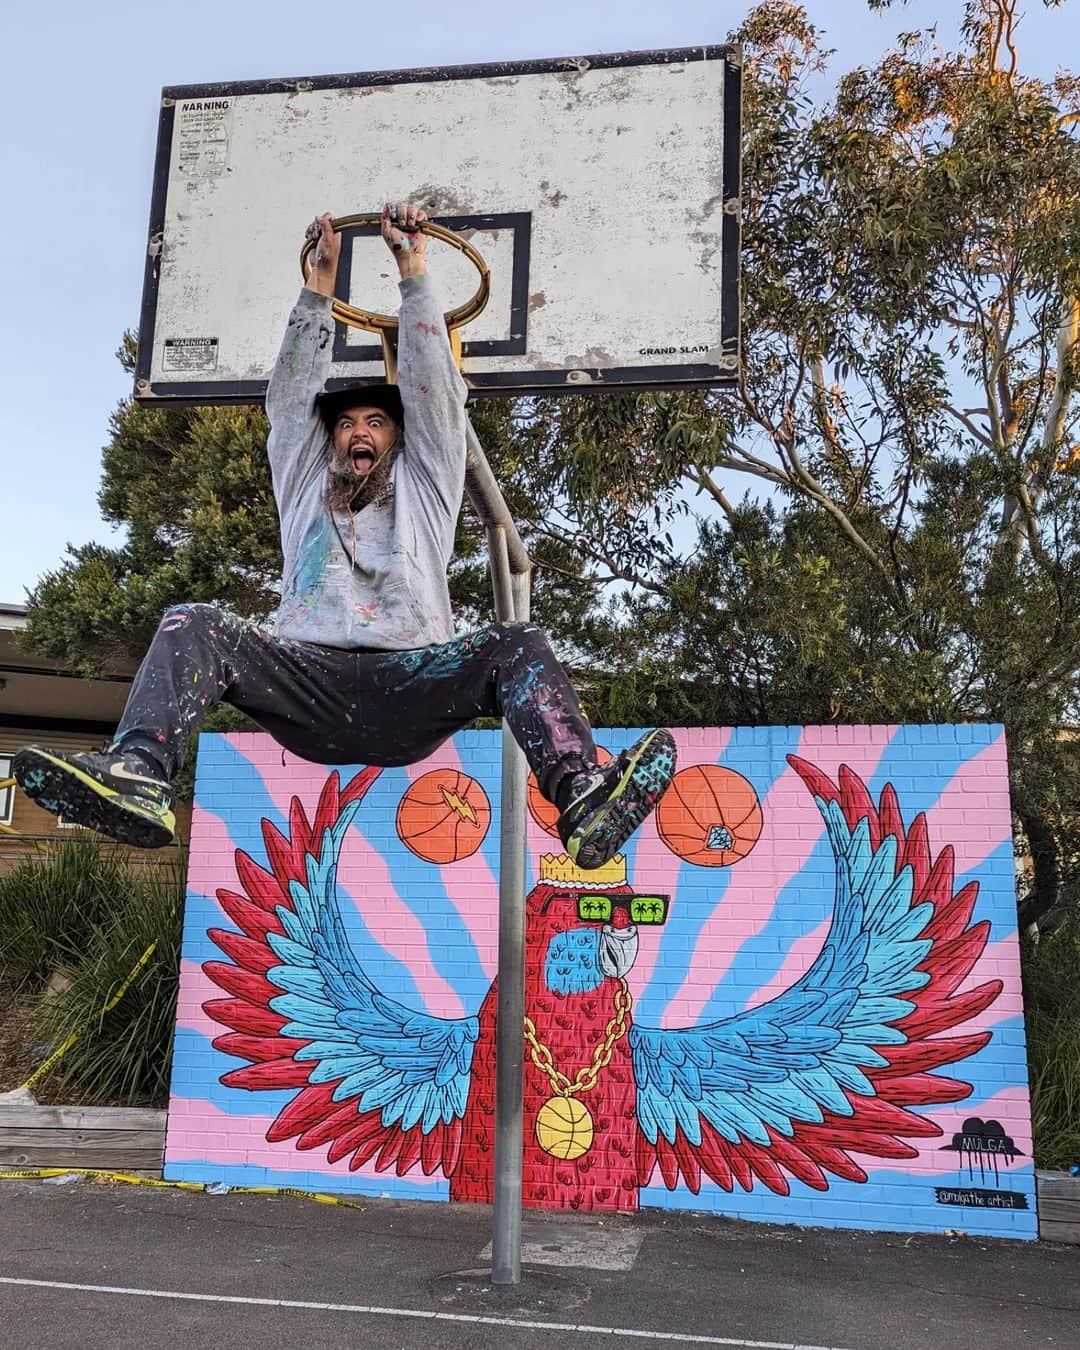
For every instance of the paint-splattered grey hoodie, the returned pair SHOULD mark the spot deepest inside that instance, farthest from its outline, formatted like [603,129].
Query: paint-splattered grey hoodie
[377,577]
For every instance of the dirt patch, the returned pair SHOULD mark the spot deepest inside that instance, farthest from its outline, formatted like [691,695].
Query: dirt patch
[18,1056]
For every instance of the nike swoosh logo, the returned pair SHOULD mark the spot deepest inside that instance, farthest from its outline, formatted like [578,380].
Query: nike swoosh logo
[119,771]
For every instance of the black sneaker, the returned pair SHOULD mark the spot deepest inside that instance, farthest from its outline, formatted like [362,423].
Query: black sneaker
[613,800]
[111,793]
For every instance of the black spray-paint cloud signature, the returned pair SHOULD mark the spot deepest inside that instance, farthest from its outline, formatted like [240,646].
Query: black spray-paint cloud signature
[981,1143]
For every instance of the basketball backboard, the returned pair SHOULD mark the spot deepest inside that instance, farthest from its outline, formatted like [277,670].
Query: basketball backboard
[603,191]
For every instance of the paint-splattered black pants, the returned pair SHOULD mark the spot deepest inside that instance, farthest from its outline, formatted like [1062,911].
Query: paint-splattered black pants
[334,706]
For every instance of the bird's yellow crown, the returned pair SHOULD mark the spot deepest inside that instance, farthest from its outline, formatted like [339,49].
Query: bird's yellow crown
[561,870]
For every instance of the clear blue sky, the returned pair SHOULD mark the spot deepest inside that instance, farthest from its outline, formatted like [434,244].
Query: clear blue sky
[80,101]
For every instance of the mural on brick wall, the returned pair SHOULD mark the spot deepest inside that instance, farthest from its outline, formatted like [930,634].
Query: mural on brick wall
[796,997]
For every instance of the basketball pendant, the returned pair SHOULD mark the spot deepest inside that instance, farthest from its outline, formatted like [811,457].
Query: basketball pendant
[564,1128]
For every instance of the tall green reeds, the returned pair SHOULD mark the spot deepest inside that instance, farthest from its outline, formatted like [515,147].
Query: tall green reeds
[50,904]
[86,914]
[1052,1015]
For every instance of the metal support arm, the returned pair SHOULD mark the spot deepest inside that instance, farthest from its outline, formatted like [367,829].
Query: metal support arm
[487,500]
[511,572]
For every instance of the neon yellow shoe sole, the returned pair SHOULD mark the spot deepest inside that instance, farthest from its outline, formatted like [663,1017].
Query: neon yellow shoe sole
[130,811]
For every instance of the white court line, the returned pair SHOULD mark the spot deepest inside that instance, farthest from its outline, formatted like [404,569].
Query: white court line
[516,1323]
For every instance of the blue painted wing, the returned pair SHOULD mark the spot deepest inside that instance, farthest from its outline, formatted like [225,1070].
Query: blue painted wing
[378,1078]
[792,1083]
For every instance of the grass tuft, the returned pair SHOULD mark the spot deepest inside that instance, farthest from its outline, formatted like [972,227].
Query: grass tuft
[86,913]
[1052,1016]
[122,1055]
[50,905]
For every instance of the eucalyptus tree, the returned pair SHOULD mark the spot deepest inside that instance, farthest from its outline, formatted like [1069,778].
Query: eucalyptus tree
[908,413]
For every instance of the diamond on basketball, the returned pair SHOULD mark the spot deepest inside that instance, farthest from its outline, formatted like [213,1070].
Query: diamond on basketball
[710,816]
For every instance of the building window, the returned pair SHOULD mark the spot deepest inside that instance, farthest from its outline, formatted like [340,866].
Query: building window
[7,795]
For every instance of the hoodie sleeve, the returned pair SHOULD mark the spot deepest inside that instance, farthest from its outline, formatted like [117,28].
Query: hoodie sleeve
[297,443]
[433,395]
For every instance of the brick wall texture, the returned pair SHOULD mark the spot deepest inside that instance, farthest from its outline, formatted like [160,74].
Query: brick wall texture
[796,999]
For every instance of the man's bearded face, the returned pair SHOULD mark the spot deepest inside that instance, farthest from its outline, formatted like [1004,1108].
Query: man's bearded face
[360,454]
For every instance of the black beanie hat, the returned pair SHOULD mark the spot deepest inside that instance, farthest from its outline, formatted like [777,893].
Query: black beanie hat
[385,396]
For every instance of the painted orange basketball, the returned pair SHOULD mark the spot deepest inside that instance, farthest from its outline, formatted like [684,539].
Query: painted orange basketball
[709,816]
[546,813]
[444,816]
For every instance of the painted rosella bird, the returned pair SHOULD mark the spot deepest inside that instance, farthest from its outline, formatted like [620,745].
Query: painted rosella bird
[829,1068]
[579,1149]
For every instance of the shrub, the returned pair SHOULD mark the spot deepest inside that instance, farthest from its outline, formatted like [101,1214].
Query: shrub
[50,905]
[1052,1007]
[121,1055]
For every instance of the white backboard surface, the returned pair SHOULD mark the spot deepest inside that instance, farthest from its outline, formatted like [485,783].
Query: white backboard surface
[602,191]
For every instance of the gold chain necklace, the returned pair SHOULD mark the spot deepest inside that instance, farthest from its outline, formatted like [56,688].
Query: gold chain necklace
[564,1126]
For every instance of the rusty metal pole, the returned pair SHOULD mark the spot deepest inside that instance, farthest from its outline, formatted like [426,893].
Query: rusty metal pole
[511,572]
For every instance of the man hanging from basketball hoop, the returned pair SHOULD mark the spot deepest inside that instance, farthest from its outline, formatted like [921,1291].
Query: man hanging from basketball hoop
[362,665]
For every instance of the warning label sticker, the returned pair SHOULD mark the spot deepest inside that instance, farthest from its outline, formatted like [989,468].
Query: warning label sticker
[202,129]
[197,353]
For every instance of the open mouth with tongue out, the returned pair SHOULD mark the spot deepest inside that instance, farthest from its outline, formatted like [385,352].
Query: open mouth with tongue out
[363,459]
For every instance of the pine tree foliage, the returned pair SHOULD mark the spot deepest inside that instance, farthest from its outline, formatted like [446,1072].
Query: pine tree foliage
[192,487]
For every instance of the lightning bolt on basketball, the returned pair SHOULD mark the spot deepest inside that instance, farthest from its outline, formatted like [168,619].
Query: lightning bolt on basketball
[444,816]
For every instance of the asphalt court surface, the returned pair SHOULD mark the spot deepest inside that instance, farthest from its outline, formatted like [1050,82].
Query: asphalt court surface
[93,1266]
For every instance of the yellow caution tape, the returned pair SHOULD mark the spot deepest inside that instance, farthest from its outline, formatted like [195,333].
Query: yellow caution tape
[61,1050]
[98,1175]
